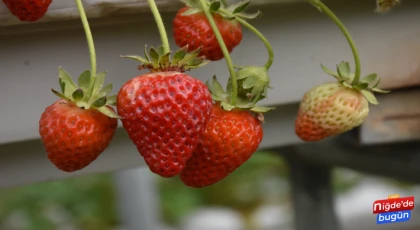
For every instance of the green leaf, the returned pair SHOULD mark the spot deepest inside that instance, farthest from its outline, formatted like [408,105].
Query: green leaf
[370,97]
[380,90]
[59,94]
[249,16]
[361,85]
[215,6]
[226,106]
[179,55]
[136,57]
[112,100]
[69,85]
[100,102]
[370,78]
[78,95]
[109,112]
[328,71]
[262,109]
[343,70]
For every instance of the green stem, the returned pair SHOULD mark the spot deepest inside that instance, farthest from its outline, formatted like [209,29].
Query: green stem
[160,25]
[224,50]
[343,29]
[89,37]
[259,35]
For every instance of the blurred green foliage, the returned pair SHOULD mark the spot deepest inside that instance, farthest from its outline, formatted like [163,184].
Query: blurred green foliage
[86,202]
[262,179]
[89,202]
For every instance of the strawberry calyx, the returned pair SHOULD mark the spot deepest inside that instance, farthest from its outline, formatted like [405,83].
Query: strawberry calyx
[243,101]
[366,85]
[253,83]
[156,60]
[229,12]
[89,93]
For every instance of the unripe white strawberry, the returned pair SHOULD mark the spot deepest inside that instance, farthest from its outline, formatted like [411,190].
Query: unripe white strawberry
[334,108]
[330,109]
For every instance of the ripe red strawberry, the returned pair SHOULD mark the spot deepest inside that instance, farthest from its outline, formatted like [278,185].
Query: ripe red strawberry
[74,137]
[75,130]
[165,112]
[195,31]
[334,108]
[229,140]
[28,10]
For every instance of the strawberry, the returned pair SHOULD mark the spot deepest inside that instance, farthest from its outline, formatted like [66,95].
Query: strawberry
[28,10]
[76,129]
[194,30]
[164,112]
[334,108]
[229,140]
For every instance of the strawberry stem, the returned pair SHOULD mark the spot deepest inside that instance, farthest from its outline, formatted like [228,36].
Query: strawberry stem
[323,8]
[160,25]
[225,51]
[259,35]
[89,37]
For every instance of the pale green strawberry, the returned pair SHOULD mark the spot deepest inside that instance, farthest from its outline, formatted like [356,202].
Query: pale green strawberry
[334,108]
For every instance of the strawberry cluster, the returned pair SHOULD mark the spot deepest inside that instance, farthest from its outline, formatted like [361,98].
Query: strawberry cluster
[181,125]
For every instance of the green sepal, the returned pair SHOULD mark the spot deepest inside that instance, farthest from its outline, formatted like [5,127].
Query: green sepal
[262,109]
[109,112]
[250,16]
[84,81]
[135,57]
[192,3]
[59,94]
[112,100]
[88,92]
[78,95]
[179,55]
[238,7]
[216,89]
[191,11]
[361,85]
[158,60]
[100,102]
[154,55]
[343,70]
[376,90]
[330,72]
[369,78]
[347,79]
[215,6]
[226,106]
[97,86]
[66,83]
[369,96]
